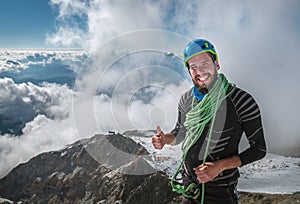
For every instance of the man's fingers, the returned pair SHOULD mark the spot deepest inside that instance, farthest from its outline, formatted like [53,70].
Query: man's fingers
[157,142]
[157,145]
[209,164]
[200,168]
[156,139]
[203,167]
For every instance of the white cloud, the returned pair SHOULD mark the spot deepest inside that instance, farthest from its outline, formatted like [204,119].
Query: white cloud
[104,19]
[27,100]
[66,36]
[17,60]
[138,114]
[45,109]
[121,91]
[40,135]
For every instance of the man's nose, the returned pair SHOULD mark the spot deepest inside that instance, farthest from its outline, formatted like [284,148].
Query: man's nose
[199,71]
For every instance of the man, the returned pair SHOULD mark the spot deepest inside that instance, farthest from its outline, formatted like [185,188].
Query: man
[212,116]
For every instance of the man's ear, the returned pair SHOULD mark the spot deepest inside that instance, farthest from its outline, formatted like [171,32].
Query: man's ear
[189,72]
[188,68]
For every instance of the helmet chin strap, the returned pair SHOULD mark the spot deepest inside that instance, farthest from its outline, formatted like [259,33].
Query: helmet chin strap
[214,61]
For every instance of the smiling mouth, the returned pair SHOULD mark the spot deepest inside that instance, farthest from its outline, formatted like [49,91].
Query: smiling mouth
[203,78]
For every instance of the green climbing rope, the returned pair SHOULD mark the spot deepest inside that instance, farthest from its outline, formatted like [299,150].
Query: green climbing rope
[196,120]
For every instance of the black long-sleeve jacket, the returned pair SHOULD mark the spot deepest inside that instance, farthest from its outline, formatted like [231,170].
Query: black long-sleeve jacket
[237,114]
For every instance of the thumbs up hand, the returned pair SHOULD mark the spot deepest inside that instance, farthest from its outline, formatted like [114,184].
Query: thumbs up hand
[158,140]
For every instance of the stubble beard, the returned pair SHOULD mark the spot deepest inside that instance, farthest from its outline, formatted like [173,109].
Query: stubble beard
[204,89]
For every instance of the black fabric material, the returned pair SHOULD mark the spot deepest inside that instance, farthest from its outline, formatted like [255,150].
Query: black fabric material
[227,133]
[214,194]
[238,114]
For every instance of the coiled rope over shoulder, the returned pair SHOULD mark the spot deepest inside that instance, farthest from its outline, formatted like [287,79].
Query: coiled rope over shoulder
[196,120]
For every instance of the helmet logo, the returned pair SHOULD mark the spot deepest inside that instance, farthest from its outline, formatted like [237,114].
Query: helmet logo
[204,46]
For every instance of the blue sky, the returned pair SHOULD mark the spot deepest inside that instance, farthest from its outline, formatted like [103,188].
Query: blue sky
[24,23]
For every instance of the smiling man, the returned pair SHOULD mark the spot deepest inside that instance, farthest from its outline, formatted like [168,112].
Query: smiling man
[212,116]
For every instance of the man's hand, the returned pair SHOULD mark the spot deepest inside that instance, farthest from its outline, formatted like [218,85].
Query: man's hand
[159,140]
[211,170]
[207,172]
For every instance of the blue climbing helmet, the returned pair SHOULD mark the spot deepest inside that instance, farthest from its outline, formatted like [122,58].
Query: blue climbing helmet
[198,46]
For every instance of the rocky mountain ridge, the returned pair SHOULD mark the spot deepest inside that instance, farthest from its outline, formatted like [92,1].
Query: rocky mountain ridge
[72,175]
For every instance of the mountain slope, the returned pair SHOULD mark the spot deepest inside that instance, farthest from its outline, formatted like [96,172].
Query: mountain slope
[72,175]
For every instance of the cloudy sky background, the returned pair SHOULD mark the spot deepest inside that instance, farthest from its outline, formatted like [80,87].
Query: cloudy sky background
[257,43]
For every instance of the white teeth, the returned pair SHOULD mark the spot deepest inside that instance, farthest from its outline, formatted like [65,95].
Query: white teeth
[204,78]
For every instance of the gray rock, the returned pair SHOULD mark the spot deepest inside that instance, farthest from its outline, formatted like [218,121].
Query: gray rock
[75,175]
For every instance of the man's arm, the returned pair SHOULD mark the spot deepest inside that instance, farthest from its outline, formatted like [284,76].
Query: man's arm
[170,139]
[257,145]
[250,119]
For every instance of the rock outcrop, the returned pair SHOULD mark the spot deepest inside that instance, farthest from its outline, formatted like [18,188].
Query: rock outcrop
[89,171]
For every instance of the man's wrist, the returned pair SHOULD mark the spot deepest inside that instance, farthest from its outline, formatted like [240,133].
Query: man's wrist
[229,163]
[170,139]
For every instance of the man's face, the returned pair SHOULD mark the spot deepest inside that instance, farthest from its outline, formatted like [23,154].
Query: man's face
[203,71]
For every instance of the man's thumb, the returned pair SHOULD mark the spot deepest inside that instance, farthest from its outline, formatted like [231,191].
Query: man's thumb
[158,130]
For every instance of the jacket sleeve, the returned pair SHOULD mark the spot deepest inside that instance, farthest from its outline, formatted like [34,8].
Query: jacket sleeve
[179,130]
[250,118]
